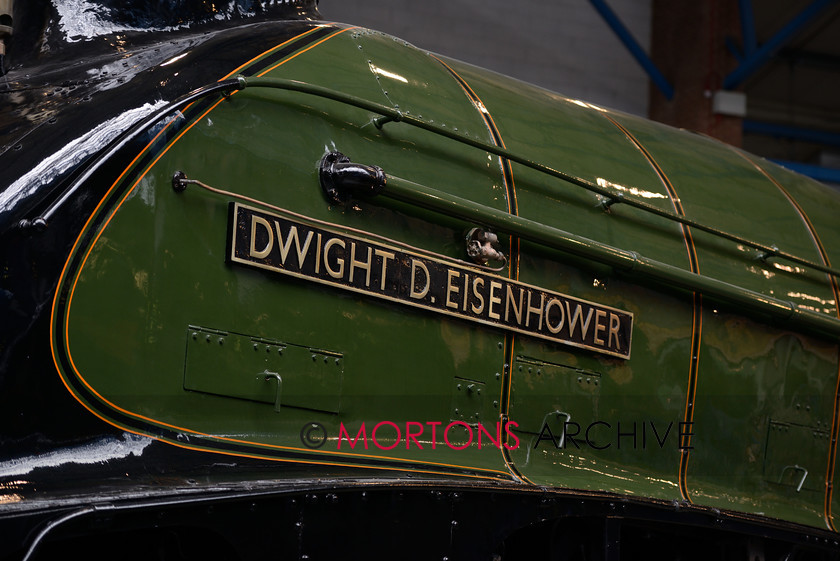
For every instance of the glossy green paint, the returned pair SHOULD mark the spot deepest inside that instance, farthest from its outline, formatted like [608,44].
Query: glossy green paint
[753,204]
[819,203]
[630,263]
[159,324]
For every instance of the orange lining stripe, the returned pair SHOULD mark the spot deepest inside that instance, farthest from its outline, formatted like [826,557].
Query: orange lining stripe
[271,50]
[289,460]
[139,154]
[285,60]
[491,126]
[697,305]
[513,208]
[167,425]
[812,231]
[154,421]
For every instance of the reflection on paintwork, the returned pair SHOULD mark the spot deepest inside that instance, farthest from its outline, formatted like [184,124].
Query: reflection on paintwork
[73,153]
[789,269]
[812,298]
[382,72]
[8,492]
[436,353]
[103,450]
[761,271]
[83,20]
[627,475]
[174,59]
[586,105]
[631,190]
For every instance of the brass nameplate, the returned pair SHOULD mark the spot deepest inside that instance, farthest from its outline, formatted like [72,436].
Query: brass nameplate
[267,241]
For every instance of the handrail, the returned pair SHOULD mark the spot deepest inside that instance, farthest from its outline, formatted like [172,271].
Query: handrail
[628,262]
[388,114]
[625,262]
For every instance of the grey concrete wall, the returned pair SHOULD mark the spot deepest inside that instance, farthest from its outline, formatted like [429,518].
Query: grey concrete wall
[562,45]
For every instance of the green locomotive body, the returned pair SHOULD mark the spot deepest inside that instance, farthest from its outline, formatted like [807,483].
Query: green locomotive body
[348,260]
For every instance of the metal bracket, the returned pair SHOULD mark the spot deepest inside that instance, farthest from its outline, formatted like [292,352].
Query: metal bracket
[562,442]
[606,202]
[765,255]
[796,468]
[380,121]
[179,181]
[341,178]
[274,376]
[480,247]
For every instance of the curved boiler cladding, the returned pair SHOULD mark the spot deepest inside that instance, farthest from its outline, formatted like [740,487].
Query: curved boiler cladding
[268,276]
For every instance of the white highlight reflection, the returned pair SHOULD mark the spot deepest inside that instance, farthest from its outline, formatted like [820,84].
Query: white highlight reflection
[104,450]
[388,74]
[635,191]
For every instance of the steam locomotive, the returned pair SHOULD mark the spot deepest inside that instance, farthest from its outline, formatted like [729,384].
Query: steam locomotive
[275,286]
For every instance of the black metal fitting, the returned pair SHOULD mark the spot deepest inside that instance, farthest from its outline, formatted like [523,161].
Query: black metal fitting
[37,224]
[178,183]
[341,178]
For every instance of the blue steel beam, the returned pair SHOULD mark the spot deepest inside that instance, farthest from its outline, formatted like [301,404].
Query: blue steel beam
[828,175]
[747,27]
[633,46]
[760,57]
[786,131]
[733,48]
